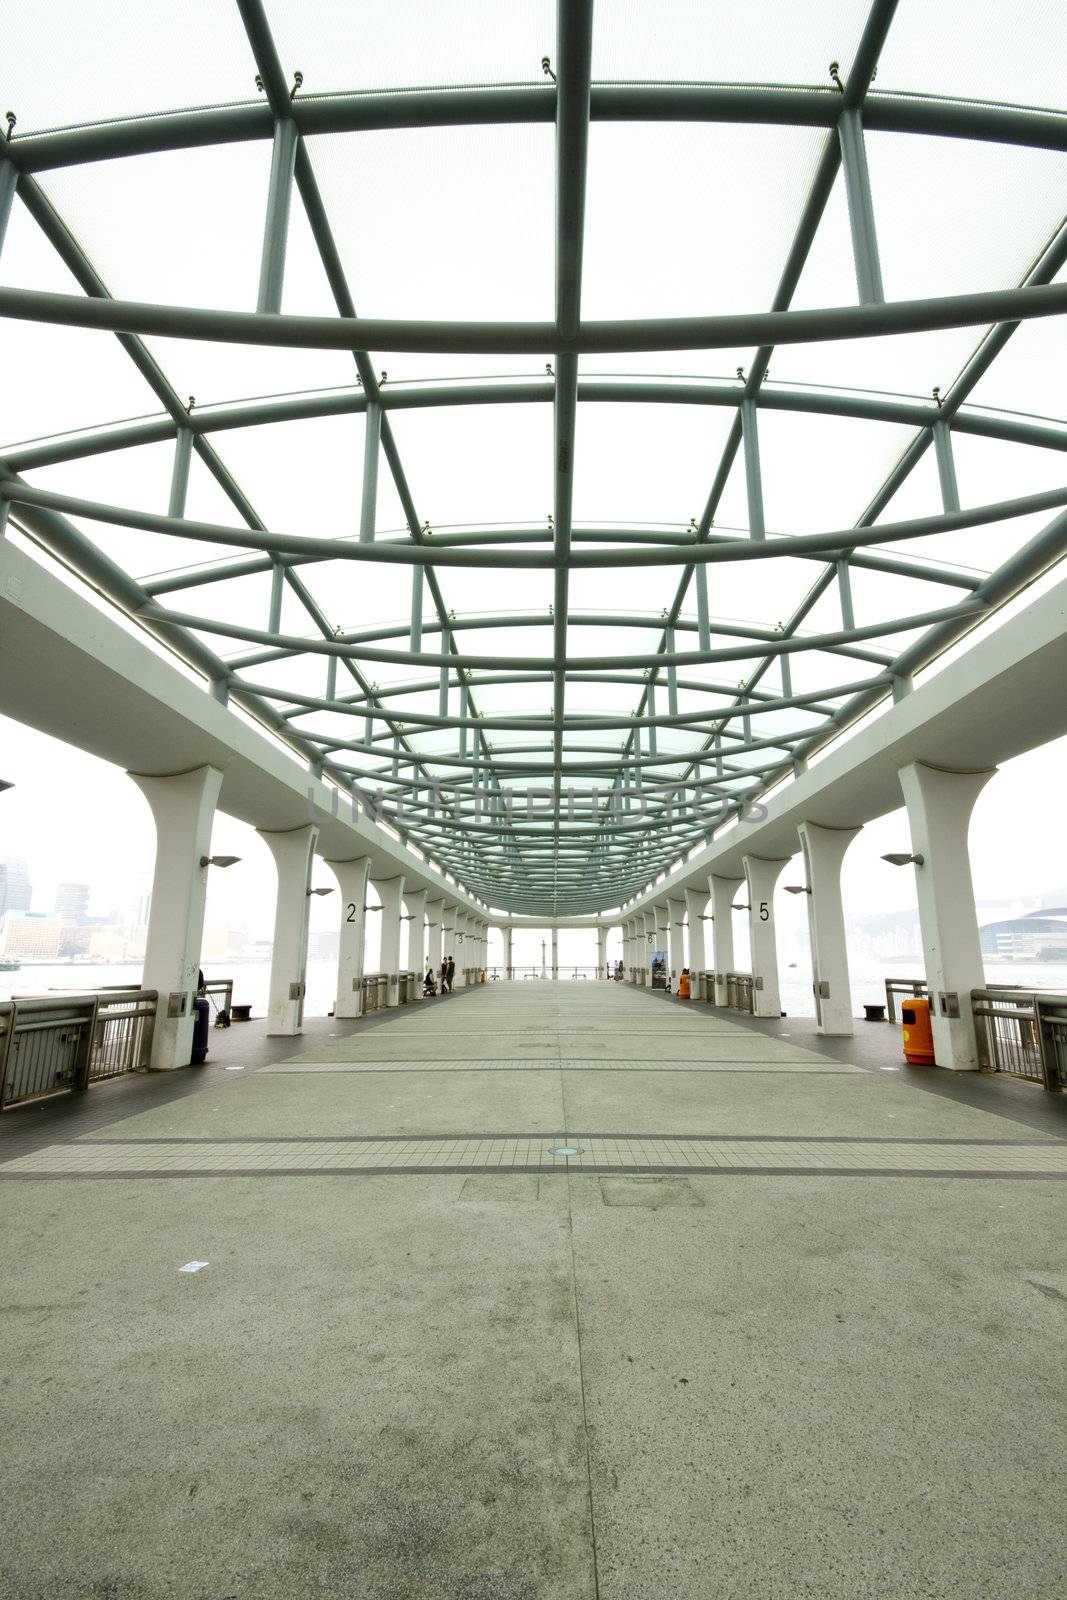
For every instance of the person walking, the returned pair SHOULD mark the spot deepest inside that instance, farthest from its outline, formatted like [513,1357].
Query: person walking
[451,972]
[444,974]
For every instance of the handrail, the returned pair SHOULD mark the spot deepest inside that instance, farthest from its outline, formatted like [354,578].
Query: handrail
[1022,1033]
[53,1044]
[913,987]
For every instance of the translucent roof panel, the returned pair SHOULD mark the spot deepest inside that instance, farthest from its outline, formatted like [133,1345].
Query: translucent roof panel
[644,464]
[714,40]
[478,464]
[982,214]
[692,186]
[552,629]
[397,43]
[156,57]
[431,222]
[981,53]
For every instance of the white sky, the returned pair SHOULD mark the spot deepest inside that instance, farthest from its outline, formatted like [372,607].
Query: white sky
[458,223]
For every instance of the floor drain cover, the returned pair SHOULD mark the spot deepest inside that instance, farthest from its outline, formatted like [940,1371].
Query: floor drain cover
[564,1150]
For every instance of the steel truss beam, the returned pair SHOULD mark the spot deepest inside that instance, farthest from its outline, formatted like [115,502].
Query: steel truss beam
[471,105]
[1015,428]
[594,842]
[739,331]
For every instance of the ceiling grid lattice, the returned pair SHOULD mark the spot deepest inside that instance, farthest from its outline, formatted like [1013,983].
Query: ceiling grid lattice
[560,595]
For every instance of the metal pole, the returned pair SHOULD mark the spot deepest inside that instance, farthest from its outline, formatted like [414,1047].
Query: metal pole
[179,478]
[860,207]
[9,177]
[276,225]
[946,466]
[844,589]
[371,451]
[703,624]
[753,476]
[277,580]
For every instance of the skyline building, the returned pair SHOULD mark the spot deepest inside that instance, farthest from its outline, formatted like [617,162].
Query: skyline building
[72,902]
[15,887]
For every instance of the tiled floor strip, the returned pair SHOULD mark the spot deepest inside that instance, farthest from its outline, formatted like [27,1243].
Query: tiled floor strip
[231,1158]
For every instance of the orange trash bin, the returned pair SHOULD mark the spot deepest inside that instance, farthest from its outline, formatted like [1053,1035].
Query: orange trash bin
[918,1034]
[683,985]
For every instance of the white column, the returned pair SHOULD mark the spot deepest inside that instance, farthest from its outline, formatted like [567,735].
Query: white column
[294,853]
[649,944]
[555,952]
[939,813]
[183,809]
[824,850]
[762,875]
[352,881]
[694,910]
[723,895]
[602,951]
[509,966]
[662,919]
[435,916]
[462,948]
[415,900]
[640,949]
[390,892]
[448,929]
[676,939]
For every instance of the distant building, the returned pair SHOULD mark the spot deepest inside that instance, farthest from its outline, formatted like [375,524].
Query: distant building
[38,938]
[15,890]
[110,944]
[72,902]
[26,936]
[1040,936]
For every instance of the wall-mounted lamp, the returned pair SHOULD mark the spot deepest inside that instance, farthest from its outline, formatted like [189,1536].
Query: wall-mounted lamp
[219,861]
[740,908]
[797,888]
[4,785]
[320,891]
[897,858]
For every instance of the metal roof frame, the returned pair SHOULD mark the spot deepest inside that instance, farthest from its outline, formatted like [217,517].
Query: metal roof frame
[617,812]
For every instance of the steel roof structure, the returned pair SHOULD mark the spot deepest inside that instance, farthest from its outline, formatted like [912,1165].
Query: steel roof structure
[578,693]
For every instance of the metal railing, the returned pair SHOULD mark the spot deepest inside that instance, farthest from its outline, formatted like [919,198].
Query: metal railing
[220,992]
[569,974]
[1052,1034]
[122,1035]
[739,987]
[55,1044]
[913,988]
[375,992]
[1022,1034]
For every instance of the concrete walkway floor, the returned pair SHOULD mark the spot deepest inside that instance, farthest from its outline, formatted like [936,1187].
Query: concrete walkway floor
[540,1292]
